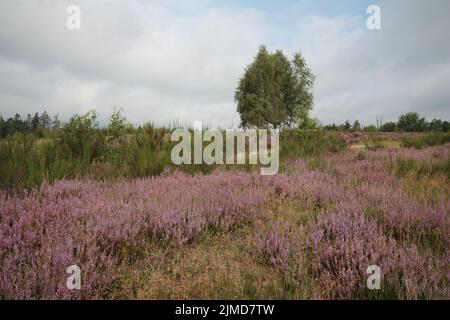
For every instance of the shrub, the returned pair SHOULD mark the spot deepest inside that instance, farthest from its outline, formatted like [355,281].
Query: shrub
[81,138]
[99,225]
[344,243]
[280,251]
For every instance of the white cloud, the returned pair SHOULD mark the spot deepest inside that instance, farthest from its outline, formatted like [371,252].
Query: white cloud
[363,74]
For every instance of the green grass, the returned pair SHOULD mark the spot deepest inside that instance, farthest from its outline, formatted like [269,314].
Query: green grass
[85,152]
[433,139]
[403,167]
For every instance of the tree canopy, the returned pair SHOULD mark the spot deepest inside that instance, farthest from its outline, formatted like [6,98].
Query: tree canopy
[411,122]
[275,91]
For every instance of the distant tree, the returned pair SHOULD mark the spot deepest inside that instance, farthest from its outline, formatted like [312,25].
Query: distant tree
[45,120]
[370,128]
[35,122]
[331,127]
[411,122]
[28,123]
[389,127]
[435,125]
[18,124]
[346,126]
[356,126]
[445,126]
[275,91]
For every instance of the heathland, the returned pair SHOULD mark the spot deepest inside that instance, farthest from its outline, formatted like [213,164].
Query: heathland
[110,201]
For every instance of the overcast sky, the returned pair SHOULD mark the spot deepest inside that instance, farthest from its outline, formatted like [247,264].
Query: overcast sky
[165,61]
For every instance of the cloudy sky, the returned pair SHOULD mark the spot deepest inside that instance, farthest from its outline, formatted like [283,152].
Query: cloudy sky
[180,60]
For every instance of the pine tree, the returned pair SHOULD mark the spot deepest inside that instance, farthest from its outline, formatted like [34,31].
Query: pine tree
[35,122]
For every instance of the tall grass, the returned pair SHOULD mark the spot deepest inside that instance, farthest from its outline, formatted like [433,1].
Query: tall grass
[81,149]
[433,139]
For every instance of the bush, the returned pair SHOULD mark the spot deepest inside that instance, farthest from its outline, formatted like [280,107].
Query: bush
[388,127]
[82,138]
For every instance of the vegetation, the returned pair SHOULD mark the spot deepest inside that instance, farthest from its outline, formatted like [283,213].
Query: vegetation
[275,91]
[409,122]
[80,148]
[433,139]
[310,232]
[37,124]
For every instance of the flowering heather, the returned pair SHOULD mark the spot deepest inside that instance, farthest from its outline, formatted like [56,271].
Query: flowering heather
[281,251]
[401,214]
[312,188]
[91,223]
[343,243]
[363,215]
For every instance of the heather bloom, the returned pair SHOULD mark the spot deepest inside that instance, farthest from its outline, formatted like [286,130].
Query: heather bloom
[282,251]
[375,224]
[344,243]
[365,217]
[91,224]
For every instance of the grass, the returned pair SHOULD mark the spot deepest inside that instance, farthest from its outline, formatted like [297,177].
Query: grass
[26,161]
[217,267]
[433,139]
[409,166]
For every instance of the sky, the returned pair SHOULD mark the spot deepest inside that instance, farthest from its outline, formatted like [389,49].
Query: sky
[181,60]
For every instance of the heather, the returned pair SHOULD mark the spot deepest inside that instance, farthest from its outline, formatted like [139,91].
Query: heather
[368,218]
[99,225]
[309,232]
[344,243]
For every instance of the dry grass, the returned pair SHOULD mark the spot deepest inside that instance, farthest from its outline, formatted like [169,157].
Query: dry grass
[217,267]
[426,189]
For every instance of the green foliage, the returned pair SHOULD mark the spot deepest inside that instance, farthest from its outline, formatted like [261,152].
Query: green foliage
[373,144]
[305,122]
[274,91]
[370,128]
[295,144]
[416,143]
[433,139]
[404,167]
[82,138]
[389,127]
[80,148]
[411,122]
[118,126]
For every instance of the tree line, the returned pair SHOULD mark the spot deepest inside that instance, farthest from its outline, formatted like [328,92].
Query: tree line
[408,122]
[37,124]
